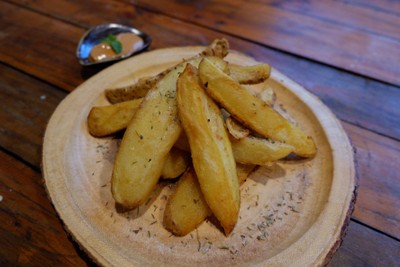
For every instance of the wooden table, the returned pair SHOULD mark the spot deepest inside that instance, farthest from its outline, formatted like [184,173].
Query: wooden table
[345,52]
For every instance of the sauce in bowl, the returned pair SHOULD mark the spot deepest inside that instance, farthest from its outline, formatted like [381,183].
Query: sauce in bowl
[130,43]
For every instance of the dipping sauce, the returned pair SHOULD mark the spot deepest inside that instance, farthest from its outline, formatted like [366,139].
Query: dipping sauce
[130,43]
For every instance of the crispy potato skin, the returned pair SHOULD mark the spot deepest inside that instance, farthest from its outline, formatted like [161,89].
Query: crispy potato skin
[211,149]
[107,120]
[252,111]
[136,90]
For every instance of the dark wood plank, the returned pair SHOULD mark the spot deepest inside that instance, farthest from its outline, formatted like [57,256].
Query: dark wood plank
[38,44]
[374,19]
[363,247]
[27,104]
[350,37]
[378,201]
[354,99]
[384,6]
[31,233]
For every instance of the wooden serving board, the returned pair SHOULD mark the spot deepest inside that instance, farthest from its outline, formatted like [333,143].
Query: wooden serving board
[293,213]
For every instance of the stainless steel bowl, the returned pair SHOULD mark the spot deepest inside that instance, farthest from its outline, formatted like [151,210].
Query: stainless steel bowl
[96,34]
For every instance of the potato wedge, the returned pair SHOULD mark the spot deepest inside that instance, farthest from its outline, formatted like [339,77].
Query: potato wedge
[176,164]
[249,74]
[260,151]
[107,120]
[148,138]
[210,147]
[218,48]
[252,111]
[186,208]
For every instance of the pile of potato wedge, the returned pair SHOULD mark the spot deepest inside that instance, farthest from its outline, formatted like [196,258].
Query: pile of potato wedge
[195,121]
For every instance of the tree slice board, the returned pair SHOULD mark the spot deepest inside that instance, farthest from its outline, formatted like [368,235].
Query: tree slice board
[293,212]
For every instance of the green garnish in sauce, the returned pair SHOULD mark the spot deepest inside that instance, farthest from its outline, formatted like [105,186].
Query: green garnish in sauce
[112,41]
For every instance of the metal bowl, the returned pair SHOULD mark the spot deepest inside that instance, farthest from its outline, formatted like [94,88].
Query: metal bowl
[96,34]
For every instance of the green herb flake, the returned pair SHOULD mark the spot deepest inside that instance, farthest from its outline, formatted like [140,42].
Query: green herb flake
[112,41]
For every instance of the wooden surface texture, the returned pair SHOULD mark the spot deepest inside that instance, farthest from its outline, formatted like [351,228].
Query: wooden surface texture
[344,52]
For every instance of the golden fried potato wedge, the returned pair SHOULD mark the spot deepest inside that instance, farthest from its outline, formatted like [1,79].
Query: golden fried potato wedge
[260,151]
[107,120]
[218,48]
[186,208]
[148,138]
[176,163]
[235,129]
[249,74]
[210,147]
[253,112]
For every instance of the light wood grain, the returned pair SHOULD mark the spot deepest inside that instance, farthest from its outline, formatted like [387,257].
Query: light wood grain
[292,213]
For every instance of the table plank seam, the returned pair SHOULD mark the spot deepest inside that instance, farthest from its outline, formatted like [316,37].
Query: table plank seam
[375,229]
